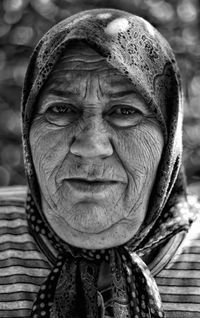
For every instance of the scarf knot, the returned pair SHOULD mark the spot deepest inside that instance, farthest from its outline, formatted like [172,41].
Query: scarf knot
[71,288]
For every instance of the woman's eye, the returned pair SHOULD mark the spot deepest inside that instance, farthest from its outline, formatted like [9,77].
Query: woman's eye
[61,115]
[61,109]
[125,111]
[125,116]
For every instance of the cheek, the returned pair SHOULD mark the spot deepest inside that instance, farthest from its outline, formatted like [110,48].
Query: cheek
[49,146]
[152,143]
[140,150]
[150,146]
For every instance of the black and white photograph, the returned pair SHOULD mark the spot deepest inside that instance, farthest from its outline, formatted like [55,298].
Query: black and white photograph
[99,159]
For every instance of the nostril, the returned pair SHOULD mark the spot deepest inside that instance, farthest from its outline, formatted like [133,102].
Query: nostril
[72,141]
[89,146]
[73,149]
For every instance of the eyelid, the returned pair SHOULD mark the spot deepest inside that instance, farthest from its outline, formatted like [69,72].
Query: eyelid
[46,106]
[115,107]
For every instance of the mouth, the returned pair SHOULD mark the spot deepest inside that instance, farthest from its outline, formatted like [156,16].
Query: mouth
[90,186]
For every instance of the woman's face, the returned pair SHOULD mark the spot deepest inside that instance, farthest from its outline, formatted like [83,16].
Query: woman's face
[95,147]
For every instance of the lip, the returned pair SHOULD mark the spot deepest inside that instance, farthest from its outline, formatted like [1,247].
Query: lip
[91,186]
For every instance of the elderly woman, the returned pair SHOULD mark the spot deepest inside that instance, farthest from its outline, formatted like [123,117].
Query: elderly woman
[103,232]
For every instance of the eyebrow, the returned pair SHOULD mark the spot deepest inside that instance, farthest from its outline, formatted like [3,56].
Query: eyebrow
[71,93]
[122,93]
[62,93]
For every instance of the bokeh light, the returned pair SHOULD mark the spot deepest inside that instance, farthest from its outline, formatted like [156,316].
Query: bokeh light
[46,8]
[195,86]
[190,36]
[12,17]
[187,11]
[162,10]
[12,5]
[21,35]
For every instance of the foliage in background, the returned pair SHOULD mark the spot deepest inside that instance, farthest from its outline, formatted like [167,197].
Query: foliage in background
[22,24]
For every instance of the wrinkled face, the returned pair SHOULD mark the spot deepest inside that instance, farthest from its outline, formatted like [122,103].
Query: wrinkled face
[96,147]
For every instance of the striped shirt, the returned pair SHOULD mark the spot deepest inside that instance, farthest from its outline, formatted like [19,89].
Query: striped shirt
[23,267]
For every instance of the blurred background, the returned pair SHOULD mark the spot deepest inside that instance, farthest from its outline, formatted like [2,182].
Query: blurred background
[22,24]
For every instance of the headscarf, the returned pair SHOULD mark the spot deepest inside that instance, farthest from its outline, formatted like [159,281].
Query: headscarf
[131,45]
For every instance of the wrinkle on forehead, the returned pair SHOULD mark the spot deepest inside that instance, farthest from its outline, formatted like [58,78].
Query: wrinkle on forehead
[80,56]
[80,65]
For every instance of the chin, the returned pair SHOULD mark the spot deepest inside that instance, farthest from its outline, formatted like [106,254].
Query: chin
[89,217]
[93,232]
[111,237]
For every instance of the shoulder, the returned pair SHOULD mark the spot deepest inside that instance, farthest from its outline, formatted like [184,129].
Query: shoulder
[12,207]
[13,195]
[178,281]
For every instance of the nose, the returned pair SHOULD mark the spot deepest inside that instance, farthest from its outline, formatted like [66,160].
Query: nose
[92,142]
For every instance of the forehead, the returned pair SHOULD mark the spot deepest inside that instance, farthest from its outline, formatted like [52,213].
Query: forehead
[79,62]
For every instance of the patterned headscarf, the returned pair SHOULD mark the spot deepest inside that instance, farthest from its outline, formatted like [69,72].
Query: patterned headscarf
[131,45]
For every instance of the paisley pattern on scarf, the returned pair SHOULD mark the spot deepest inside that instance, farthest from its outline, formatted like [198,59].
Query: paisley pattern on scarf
[134,47]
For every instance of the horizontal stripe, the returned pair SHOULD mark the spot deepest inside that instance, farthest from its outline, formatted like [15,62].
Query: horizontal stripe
[27,254]
[12,208]
[22,238]
[26,264]
[180,290]
[182,314]
[18,296]
[9,209]
[14,203]
[13,261]
[23,270]
[18,287]
[192,249]
[180,298]
[13,192]
[13,223]
[14,231]
[168,281]
[13,189]
[183,307]
[17,246]
[194,243]
[179,273]
[186,266]
[21,313]
[12,216]
[187,258]
[15,305]
[22,278]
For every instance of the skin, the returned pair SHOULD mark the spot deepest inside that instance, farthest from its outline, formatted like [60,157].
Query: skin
[91,125]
